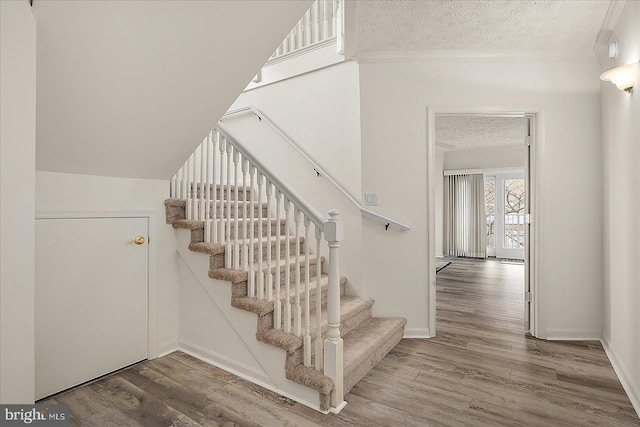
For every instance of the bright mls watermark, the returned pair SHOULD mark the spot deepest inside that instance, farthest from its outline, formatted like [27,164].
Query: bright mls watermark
[34,415]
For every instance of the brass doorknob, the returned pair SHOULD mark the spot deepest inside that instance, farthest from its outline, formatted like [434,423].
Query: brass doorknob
[138,240]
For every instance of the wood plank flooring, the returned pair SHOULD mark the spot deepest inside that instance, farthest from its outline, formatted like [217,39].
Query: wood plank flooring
[480,370]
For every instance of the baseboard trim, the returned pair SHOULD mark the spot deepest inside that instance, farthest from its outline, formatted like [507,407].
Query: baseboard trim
[416,333]
[632,390]
[573,334]
[165,349]
[243,371]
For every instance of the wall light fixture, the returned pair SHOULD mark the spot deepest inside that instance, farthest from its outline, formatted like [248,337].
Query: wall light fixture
[624,76]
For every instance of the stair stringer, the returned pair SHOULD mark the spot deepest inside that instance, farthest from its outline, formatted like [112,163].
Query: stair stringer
[270,369]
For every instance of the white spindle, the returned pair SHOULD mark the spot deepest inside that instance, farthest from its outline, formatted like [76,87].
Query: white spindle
[214,189]
[183,182]
[203,180]
[220,190]
[268,282]
[287,272]
[194,187]
[297,320]
[308,31]
[245,243]
[319,342]
[172,189]
[333,345]
[316,21]
[236,240]
[300,34]
[325,19]
[206,154]
[189,212]
[277,308]
[334,16]
[252,275]
[260,278]
[307,335]
[227,252]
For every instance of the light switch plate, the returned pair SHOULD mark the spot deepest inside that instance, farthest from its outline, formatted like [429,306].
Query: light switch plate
[371,199]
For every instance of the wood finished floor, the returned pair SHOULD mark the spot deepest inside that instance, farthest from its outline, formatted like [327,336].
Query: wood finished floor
[481,370]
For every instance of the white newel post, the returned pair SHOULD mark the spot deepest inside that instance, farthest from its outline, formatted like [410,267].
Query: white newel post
[333,368]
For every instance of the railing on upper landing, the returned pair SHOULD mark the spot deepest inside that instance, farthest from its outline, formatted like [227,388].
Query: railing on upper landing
[212,180]
[322,23]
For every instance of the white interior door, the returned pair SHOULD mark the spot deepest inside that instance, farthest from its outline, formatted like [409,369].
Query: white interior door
[91,299]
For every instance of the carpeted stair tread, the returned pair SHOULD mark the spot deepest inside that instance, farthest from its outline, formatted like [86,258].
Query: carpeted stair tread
[349,307]
[219,248]
[262,308]
[239,276]
[366,345]
[311,378]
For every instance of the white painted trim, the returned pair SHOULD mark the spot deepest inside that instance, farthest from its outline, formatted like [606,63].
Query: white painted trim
[239,369]
[609,23]
[416,333]
[167,349]
[537,146]
[339,408]
[470,56]
[298,52]
[632,389]
[483,171]
[554,334]
[152,285]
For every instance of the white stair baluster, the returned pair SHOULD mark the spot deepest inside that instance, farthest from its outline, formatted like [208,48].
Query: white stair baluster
[325,19]
[300,34]
[287,270]
[297,320]
[194,187]
[277,308]
[260,278]
[214,189]
[308,31]
[236,239]
[183,181]
[319,343]
[189,212]
[203,181]
[245,242]
[316,21]
[252,275]
[307,296]
[206,189]
[334,16]
[172,187]
[268,282]
[221,192]
[227,201]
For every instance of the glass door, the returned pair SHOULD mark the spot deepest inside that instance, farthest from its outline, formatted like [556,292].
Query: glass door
[510,215]
[490,212]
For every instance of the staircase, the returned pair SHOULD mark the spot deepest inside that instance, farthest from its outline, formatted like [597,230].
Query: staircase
[250,227]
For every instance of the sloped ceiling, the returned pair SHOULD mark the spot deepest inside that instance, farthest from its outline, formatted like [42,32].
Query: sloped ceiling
[471,132]
[129,88]
[478,25]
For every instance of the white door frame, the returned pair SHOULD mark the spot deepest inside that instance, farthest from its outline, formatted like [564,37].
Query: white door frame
[151,216]
[534,243]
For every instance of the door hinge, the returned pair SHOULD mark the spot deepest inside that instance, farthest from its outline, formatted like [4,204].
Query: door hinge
[527,296]
[527,140]
[148,240]
[527,218]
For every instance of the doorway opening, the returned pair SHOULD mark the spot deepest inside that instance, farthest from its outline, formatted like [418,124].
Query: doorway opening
[497,148]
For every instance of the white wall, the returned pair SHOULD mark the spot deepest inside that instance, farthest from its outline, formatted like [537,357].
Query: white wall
[61,192]
[621,176]
[320,111]
[17,189]
[485,158]
[394,101]
[129,88]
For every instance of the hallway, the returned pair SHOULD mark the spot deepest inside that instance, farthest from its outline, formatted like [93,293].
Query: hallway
[480,370]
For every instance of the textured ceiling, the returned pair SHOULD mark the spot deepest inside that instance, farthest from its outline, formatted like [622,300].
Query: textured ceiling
[468,132]
[478,25]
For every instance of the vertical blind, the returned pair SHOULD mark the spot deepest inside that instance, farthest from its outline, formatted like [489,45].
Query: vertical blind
[464,216]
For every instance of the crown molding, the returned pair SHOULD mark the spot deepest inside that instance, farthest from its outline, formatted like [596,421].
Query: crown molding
[471,56]
[610,21]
